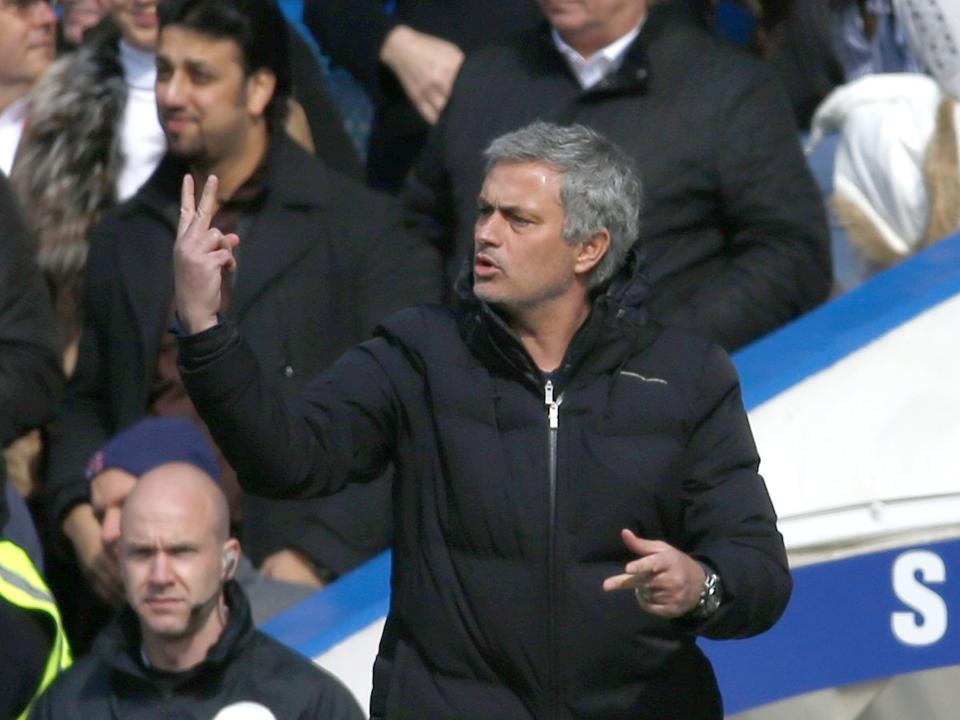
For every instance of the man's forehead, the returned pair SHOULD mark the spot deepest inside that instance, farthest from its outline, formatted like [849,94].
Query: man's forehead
[164,524]
[522,179]
[191,46]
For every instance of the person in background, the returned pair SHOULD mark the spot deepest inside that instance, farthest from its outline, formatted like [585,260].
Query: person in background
[733,225]
[407,61]
[76,17]
[114,471]
[185,645]
[93,140]
[34,646]
[27,47]
[31,381]
[324,267]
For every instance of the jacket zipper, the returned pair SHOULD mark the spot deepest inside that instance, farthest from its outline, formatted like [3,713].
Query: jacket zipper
[553,423]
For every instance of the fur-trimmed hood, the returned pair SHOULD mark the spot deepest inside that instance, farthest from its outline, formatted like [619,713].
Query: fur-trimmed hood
[68,160]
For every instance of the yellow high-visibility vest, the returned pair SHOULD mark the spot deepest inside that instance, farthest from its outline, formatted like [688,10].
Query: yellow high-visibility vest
[22,586]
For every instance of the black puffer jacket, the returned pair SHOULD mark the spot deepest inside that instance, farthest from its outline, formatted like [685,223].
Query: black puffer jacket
[507,526]
[244,666]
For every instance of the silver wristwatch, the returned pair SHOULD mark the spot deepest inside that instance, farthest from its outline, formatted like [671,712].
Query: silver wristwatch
[710,595]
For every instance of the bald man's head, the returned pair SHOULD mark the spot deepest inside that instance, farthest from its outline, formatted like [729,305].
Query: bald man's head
[183,488]
[175,549]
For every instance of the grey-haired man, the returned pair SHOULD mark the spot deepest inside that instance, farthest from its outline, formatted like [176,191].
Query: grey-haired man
[551,443]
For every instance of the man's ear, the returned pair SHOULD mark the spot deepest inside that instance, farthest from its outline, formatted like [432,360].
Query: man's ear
[260,87]
[231,556]
[591,251]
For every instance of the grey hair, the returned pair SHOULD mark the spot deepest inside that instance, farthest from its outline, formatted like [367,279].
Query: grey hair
[600,187]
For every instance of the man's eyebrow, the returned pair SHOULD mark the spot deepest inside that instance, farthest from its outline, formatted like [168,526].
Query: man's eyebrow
[139,545]
[199,66]
[511,210]
[181,546]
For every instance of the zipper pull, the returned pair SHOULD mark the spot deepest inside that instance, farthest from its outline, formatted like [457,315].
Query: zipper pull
[553,406]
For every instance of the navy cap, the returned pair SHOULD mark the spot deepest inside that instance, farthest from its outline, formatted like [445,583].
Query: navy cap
[153,442]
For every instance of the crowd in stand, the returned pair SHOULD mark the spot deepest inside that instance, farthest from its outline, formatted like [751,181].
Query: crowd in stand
[105,105]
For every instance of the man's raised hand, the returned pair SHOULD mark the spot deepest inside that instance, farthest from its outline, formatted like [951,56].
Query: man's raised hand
[667,581]
[201,255]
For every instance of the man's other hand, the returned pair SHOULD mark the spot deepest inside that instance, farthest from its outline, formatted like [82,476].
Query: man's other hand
[201,255]
[101,571]
[667,582]
[426,67]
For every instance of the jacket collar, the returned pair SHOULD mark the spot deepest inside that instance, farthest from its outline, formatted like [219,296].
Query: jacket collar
[284,160]
[617,323]
[119,646]
[635,72]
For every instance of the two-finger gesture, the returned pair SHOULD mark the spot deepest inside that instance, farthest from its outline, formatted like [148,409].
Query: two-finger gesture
[667,581]
[201,255]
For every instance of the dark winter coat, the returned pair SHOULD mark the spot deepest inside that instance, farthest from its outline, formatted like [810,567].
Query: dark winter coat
[506,522]
[733,224]
[244,666]
[322,261]
[30,375]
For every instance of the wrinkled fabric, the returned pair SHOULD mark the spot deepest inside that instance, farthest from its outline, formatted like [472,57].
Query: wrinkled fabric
[933,27]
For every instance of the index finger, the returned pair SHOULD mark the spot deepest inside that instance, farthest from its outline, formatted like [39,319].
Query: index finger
[187,209]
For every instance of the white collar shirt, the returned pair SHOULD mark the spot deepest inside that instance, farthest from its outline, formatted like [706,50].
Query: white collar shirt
[12,120]
[590,71]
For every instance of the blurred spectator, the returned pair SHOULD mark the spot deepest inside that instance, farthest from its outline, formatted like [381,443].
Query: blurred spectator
[33,646]
[114,471]
[897,172]
[328,139]
[733,225]
[869,38]
[94,139]
[27,47]
[325,259]
[185,645]
[407,60]
[78,16]
[30,377]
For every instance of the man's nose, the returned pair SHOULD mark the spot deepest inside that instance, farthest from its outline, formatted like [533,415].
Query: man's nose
[486,232]
[171,92]
[160,569]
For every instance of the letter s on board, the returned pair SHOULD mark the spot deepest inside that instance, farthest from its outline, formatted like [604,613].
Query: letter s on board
[926,623]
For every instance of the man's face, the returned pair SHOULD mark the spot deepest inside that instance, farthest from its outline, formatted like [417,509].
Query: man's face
[171,563]
[203,98]
[520,259]
[138,22]
[108,490]
[593,21]
[27,44]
